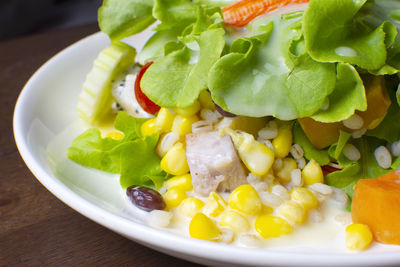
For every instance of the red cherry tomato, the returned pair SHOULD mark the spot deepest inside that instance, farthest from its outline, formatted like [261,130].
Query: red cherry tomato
[147,105]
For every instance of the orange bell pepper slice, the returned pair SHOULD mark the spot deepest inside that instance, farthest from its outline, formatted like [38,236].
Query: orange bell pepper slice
[376,203]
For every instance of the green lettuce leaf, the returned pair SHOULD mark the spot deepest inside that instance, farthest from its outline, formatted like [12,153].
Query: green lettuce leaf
[154,47]
[333,33]
[374,13]
[123,18]
[133,156]
[177,79]
[348,96]
[310,152]
[335,150]
[174,13]
[209,18]
[89,149]
[140,163]
[271,74]
[365,168]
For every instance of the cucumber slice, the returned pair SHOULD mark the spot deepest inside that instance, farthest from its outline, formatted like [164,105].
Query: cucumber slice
[96,98]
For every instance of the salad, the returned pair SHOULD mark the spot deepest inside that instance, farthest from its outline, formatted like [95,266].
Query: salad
[248,119]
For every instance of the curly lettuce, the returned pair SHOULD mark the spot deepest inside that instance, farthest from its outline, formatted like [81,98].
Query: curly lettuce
[133,157]
[177,79]
[334,31]
[365,168]
[123,18]
[271,74]
[347,97]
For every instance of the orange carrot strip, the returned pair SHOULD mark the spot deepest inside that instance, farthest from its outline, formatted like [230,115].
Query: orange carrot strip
[242,12]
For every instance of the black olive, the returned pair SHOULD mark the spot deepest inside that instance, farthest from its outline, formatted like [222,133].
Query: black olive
[145,198]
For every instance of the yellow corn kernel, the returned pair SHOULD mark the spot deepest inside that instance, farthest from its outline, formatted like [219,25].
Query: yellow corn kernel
[173,197]
[188,111]
[206,100]
[305,197]
[257,157]
[267,209]
[148,127]
[115,135]
[271,226]
[215,205]
[191,206]
[235,221]
[283,141]
[293,211]
[184,182]
[174,162]
[288,165]
[312,173]
[164,120]
[358,236]
[202,227]
[245,199]
[183,125]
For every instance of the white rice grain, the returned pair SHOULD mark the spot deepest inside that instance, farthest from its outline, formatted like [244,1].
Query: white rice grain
[359,133]
[159,218]
[208,115]
[343,218]
[249,240]
[383,157]
[339,198]
[355,122]
[296,151]
[202,126]
[269,132]
[267,143]
[301,163]
[296,178]
[281,192]
[395,149]
[227,235]
[270,199]
[351,152]
[261,187]
[252,178]
[323,189]
[167,142]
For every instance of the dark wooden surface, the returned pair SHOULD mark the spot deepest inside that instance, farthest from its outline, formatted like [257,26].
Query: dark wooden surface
[37,229]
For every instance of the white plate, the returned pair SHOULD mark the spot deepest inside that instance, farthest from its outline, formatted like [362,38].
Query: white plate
[45,123]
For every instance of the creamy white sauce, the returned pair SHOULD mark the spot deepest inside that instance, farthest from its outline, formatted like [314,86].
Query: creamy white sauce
[316,235]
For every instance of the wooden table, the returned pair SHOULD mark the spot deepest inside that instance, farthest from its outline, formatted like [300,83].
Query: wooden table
[37,229]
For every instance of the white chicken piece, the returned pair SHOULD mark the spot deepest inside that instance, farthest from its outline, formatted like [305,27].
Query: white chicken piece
[213,162]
